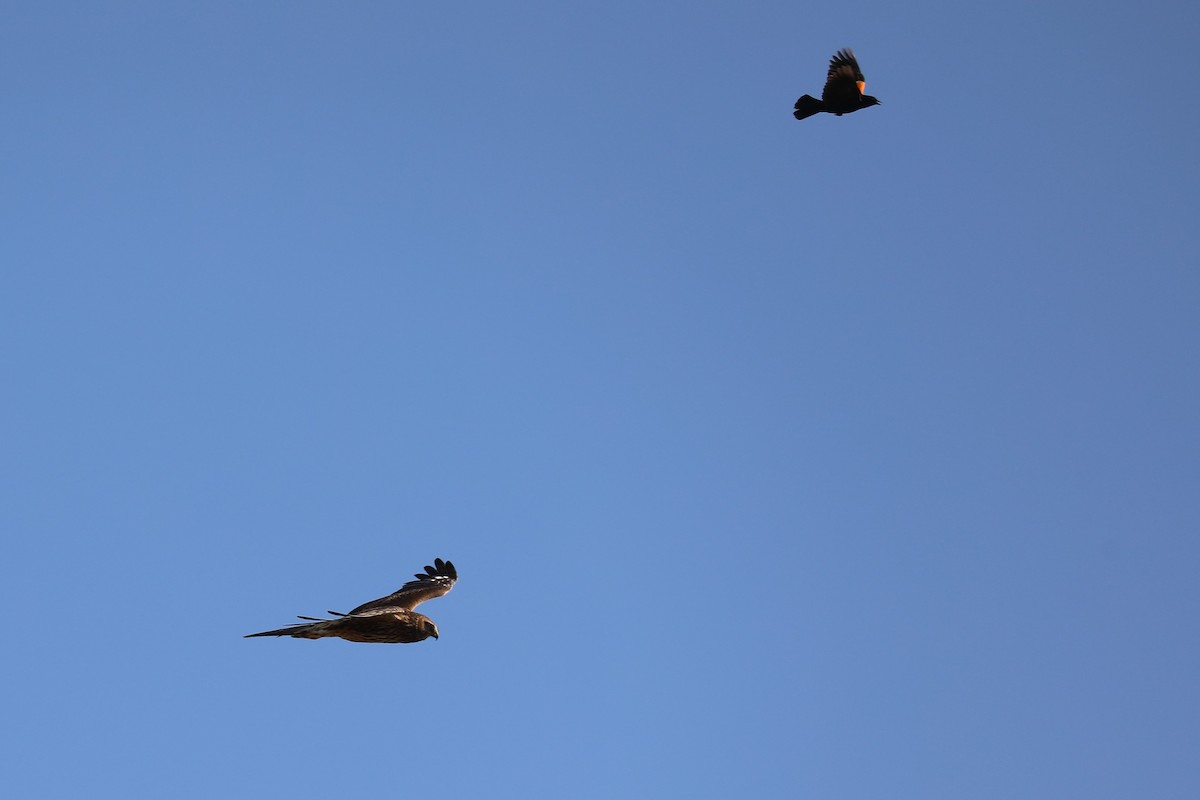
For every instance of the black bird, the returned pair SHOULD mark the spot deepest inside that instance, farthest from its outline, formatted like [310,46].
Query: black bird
[843,90]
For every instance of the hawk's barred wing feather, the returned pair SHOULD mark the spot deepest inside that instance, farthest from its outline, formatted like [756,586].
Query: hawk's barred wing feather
[434,582]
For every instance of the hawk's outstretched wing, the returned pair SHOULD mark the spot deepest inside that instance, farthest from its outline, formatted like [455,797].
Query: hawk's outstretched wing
[434,582]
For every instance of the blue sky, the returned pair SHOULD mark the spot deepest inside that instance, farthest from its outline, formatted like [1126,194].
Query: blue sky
[847,458]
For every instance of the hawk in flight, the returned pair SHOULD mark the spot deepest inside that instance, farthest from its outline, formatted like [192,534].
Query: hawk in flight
[843,91]
[388,619]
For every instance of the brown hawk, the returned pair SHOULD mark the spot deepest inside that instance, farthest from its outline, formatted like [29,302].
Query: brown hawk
[388,619]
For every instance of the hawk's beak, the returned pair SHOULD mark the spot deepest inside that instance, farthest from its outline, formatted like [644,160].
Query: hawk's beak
[434,634]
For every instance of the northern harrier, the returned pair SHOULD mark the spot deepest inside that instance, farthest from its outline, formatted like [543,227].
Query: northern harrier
[388,619]
[843,91]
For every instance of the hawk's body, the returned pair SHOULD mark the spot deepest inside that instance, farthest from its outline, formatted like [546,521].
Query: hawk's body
[843,92]
[389,619]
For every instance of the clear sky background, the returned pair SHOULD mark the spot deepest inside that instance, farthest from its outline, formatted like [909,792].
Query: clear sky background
[856,457]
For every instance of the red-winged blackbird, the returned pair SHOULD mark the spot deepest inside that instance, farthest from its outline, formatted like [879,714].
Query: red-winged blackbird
[843,90]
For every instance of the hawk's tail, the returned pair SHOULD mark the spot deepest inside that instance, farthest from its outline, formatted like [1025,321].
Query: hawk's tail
[806,106]
[300,630]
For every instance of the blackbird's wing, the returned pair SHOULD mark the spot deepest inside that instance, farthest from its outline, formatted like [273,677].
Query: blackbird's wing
[845,83]
[434,582]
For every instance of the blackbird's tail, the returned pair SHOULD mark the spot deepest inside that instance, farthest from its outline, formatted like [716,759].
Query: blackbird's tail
[806,106]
